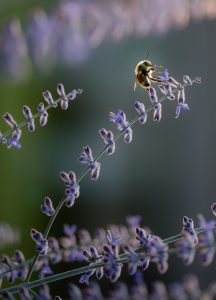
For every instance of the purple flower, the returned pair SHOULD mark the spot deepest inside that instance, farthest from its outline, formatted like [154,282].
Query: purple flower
[206,241]
[113,240]
[44,293]
[47,207]
[108,138]
[181,102]
[30,120]
[153,95]
[133,221]
[84,278]
[14,140]
[140,108]
[44,268]
[122,124]
[213,208]
[112,269]
[72,190]
[43,114]
[157,115]
[54,252]
[10,120]
[41,242]
[188,228]
[70,229]
[93,256]
[142,237]
[133,259]
[186,248]
[64,98]
[158,252]
[87,158]
[49,99]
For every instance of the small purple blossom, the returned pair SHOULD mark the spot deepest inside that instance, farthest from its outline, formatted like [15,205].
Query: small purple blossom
[108,138]
[41,242]
[49,99]
[153,95]
[186,248]
[47,207]
[72,190]
[84,278]
[93,256]
[113,240]
[86,157]
[142,236]
[122,124]
[181,102]
[133,259]
[43,114]
[14,140]
[206,241]
[112,269]
[30,120]
[213,208]
[10,120]
[54,253]
[140,108]
[70,229]
[157,115]
[188,228]
[64,98]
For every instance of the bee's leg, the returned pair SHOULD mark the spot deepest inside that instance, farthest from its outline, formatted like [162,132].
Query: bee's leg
[154,79]
[135,85]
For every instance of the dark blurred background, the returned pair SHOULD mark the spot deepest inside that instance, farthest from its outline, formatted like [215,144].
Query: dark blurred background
[169,169]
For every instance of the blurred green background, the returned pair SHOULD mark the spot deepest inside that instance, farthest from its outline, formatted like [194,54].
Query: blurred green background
[168,171]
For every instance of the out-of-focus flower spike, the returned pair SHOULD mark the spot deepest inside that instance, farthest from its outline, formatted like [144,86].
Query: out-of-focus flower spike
[213,208]
[157,115]
[47,207]
[108,138]
[30,120]
[10,120]
[43,114]
[14,140]
[49,99]
[140,108]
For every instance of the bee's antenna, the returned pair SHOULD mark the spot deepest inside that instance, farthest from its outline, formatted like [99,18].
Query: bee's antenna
[147,55]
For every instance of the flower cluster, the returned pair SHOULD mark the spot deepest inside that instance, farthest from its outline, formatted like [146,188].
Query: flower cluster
[15,128]
[75,28]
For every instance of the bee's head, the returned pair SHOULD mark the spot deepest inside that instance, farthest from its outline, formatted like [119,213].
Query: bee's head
[147,64]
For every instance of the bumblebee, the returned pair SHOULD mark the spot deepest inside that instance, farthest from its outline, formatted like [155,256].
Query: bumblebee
[144,74]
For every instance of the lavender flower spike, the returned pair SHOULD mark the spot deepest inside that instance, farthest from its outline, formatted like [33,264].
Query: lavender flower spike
[47,207]
[108,138]
[122,124]
[72,190]
[87,158]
